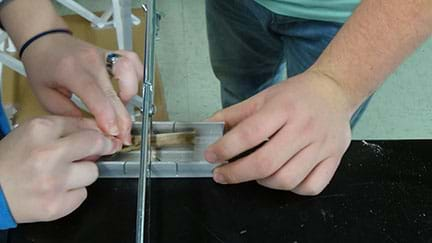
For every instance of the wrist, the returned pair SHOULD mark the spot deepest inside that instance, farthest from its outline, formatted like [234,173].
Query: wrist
[45,47]
[333,94]
[39,15]
[42,35]
[350,97]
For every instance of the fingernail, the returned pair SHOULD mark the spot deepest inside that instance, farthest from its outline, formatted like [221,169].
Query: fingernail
[128,141]
[219,178]
[114,130]
[211,157]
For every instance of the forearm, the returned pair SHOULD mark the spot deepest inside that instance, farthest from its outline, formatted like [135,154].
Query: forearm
[23,19]
[374,41]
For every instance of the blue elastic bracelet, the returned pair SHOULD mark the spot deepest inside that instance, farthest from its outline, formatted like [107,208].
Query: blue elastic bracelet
[31,40]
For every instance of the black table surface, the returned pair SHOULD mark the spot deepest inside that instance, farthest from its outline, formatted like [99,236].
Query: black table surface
[382,192]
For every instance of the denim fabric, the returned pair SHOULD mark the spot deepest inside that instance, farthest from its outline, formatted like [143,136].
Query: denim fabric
[250,47]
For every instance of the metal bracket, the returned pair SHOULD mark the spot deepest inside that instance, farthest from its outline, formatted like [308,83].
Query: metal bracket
[187,161]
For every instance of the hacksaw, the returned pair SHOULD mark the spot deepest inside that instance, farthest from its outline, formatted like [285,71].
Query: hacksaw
[184,161]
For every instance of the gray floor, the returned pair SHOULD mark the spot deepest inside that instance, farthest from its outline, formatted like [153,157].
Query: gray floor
[191,89]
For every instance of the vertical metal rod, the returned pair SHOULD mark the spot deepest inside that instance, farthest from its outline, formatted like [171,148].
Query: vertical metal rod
[145,160]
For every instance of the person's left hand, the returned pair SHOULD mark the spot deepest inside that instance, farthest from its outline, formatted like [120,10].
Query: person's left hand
[60,65]
[304,123]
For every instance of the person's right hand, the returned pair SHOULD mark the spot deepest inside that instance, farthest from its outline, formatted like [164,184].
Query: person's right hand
[45,165]
[61,65]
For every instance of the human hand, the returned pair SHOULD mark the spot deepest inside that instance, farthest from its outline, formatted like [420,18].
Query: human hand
[306,120]
[58,65]
[45,166]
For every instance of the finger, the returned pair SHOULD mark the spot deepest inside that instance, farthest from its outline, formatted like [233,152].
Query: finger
[319,178]
[71,200]
[83,144]
[68,125]
[59,126]
[57,102]
[99,100]
[294,171]
[265,161]
[125,71]
[122,118]
[236,113]
[124,122]
[135,60]
[247,134]
[81,174]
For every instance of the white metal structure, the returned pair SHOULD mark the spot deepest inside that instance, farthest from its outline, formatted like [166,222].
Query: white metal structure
[119,16]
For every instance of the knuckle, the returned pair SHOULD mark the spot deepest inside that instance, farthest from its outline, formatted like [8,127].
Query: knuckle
[127,94]
[83,195]
[263,166]
[48,186]
[80,196]
[287,186]
[286,182]
[134,56]
[337,146]
[255,106]
[40,124]
[110,93]
[98,141]
[231,178]
[124,64]
[125,121]
[50,209]
[218,115]
[249,134]
[346,141]
[219,150]
[90,54]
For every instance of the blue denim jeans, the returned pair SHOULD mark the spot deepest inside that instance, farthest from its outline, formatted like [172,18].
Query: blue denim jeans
[251,47]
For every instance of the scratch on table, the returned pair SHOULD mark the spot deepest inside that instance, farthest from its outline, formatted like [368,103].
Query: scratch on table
[207,229]
[324,215]
[389,237]
[213,234]
[375,147]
